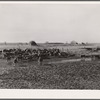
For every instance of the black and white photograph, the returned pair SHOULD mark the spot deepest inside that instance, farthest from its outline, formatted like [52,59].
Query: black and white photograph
[50,46]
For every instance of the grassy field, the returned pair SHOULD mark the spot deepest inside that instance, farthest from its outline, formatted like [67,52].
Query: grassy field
[70,75]
[74,75]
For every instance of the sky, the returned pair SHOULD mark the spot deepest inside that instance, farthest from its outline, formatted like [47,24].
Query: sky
[23,22]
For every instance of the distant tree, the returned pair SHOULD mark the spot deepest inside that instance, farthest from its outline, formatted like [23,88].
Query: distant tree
[76,42]
[83,43]
[33,43]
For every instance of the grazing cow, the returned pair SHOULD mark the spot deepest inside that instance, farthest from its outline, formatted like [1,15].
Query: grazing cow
[33,54]
[15,61]
[40,58]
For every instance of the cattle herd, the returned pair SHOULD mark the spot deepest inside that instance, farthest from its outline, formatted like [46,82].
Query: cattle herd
[30,54]
[19,55]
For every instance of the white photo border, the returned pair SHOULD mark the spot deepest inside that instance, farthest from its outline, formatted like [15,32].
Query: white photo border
[49,93]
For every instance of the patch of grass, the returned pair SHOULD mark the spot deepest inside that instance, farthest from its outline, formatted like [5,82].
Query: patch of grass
[74,75]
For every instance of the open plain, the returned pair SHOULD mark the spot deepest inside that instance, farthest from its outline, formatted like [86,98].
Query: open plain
[54,73]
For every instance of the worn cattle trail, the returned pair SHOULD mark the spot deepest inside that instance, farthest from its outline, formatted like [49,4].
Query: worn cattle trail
[70,60]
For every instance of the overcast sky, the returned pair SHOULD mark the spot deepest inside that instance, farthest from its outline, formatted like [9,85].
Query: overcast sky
[49,22]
